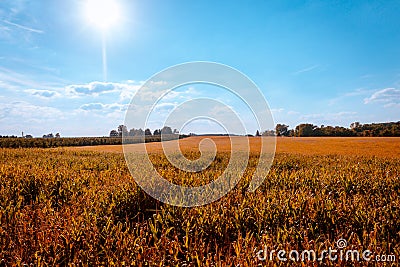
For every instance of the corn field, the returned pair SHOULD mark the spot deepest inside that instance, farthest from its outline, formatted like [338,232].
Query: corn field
[82,208]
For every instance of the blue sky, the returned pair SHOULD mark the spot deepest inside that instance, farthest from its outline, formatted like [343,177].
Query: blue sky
[323,62]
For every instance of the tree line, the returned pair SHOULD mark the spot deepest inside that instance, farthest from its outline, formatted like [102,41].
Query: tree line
[355,129]
[122,130]
[135,135]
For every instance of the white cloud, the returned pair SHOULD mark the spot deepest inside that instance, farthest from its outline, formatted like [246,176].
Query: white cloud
[129,90]
[277,110]
[43,93]
[14,81]
[165,107]
[186,94]
[357,92]
[390,97]
[96,88]
[158,83]
[159,91]
[105,111]
[103,107]
[93,88]
[21,110]
[392,105]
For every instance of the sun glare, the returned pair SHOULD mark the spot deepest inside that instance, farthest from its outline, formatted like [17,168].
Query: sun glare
[103,14]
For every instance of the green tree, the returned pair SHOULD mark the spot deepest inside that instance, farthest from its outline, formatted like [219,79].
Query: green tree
[282,130]
[305,129]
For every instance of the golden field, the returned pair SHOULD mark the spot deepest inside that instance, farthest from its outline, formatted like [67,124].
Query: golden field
[361,146]
[81,207]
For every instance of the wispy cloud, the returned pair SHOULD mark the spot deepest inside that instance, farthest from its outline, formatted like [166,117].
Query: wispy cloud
[17,116]
[165,107]
[15,81]
[390,97]
[103,107]
[277,110]
[12,80]
[126,90]
[307,69]
[186,94]
[357,93]
[23,27]
[113,111]
[23,111]
[29,64]
[93,88]
[43,93]
[292,112]
[4,29]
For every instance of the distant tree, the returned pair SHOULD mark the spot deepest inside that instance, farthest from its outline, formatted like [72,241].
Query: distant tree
[139,132]
[166,130]
[58,135]
[355,125]
[282,129]
[386,132]
[268,133]
[305,129]
[366,133]
[114,133]
[136,132]
[122,130]
[50,135]
[157,132]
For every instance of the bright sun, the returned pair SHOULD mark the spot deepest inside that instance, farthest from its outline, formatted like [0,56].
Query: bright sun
[103,14]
